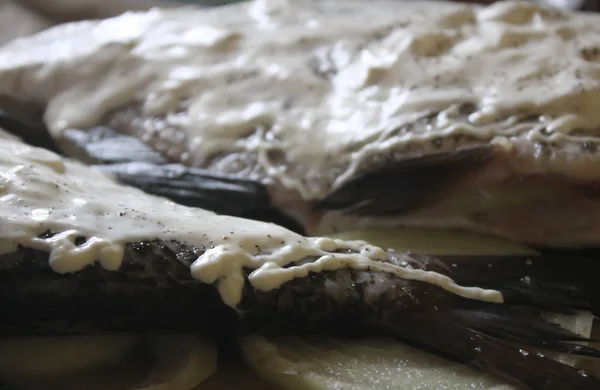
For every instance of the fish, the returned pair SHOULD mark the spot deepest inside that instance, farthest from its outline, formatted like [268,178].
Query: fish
[82,253]
[445,115]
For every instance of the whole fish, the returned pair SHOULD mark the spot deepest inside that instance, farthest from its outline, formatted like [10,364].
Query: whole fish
[459,116]
[80,253]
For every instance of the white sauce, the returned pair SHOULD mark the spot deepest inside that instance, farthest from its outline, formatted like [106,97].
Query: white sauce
[39,192]
[6,135]
[237,80]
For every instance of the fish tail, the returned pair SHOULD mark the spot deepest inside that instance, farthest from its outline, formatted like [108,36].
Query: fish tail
[560,282]
[515,339]
[25,121]
[401,186]
[507,358]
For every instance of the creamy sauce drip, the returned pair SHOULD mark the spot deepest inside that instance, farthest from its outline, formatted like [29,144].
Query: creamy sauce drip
[6,135]
[40,192]
[266,76]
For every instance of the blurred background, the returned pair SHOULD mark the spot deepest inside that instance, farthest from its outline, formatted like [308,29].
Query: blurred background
[24,17]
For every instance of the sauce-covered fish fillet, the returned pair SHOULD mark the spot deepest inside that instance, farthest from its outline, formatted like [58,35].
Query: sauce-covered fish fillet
[81,253]
[352,113]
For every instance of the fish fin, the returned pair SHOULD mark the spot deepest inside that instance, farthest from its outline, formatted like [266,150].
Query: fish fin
[401,186]
[25,122]
[193,187]
[511,339]
[520,324]
[132,162]
[103,145]
[509,358]
[557,282]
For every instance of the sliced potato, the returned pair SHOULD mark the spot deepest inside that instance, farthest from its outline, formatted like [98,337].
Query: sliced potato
[321,364]
[63,355]
[436,242]
[182,363]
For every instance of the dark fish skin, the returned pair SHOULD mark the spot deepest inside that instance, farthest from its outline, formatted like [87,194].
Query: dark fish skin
[193,187]
[401,186]
[26,122]
[154,291]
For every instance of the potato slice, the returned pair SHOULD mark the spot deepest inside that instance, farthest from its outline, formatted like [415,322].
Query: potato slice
[63,355]
[179,362]
[182,363]
[321,364]
[436,242]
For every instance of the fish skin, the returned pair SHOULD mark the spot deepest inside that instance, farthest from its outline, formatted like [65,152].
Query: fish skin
[193,187]
[26,122]
[153,290]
